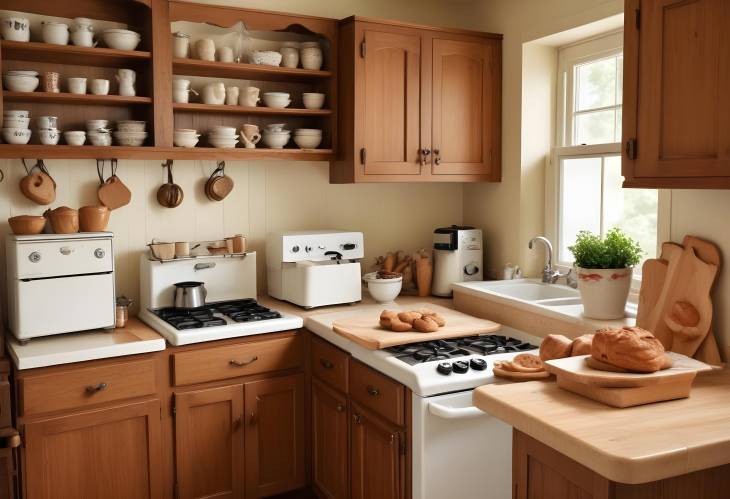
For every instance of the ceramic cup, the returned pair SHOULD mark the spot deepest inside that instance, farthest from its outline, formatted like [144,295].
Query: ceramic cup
[49,136]
[313,100]
[225,54]
[250,135]
[47,122]
[75,138]
[232,95]
[76,85]
[55,33]
[205,48]
[16,29]
[99,86]
[250,97]
[51,82]
[180,44]
[310,54]
[182,249]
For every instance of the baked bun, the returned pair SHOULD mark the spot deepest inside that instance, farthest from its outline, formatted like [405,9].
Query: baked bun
[555,346]
[631,348]
[582,345]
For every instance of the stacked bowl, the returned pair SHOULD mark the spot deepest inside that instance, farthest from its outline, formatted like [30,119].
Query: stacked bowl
[275,136]
[48,130]
[223,137]
[185,137]
[130,133]
[307,138]
[15,127]
[278,100]
[98,132]
[21,81]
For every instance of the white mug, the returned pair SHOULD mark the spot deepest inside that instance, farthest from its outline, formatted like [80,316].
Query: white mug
[232,95]
[47,122]
[99,86]
[76,85]
[49,136]
[205,49]
[225,54]
[250,97]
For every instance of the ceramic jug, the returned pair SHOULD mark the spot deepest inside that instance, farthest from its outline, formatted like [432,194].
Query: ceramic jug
[126,79]
[214,93]
[250,97]
[250,135]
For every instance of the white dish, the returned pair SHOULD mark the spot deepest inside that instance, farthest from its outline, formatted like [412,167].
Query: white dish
[21,83]
[313,100]
[100,138]
[121,39]
[16,122]
[276,140]
[307,141]
[19,72]
[131,126]
[224,130]
[75,138]
[278,100]
[130,139]
[186,140]
[16,135]
[274,127]
[95,125]
[383,290]
[265,57]
[16,113]
[308,131]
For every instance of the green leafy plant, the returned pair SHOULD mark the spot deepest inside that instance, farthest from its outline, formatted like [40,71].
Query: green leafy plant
[615,251]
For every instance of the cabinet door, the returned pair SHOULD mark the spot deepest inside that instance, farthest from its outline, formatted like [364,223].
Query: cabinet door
[466,111]
[329,441]
[390,113]
[677,104]
[274,435]
[376,458]
[114,453]
[209,443]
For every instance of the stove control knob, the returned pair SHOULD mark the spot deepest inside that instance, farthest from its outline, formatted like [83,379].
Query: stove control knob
[478,364]
[295,249]
[460,367]
[99,253]
[444,368]
[349,246]
[471,269]
[308,249]
[34,257]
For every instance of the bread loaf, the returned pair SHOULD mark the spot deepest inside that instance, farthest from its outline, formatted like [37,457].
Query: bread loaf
[582,345]
[555,346]
[631,348]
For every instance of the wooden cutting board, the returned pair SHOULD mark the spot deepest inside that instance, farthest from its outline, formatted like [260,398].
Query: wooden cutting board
[364,328]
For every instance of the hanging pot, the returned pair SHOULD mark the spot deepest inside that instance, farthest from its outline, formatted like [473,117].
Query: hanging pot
[170,194]
[219,185]
[38,185]
[112,192]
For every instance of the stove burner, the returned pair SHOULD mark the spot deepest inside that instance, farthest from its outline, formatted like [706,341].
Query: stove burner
[210,315]
[440,350]
[494,343]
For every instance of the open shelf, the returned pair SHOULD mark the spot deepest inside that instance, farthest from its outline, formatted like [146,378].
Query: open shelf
[244,71]
[248,154]
[68,98]
[71,54]
[271,111]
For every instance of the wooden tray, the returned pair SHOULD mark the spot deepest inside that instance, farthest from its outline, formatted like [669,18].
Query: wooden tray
[364,328]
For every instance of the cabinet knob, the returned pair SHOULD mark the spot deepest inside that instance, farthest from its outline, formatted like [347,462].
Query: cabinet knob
[238,363]
[326,363]
[372,391]
[92,389]
[437,157]
[424,153]
[340,407]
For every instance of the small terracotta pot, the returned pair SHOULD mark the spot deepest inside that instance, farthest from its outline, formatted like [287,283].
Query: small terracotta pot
[64,220]
[27,224]
[93,218]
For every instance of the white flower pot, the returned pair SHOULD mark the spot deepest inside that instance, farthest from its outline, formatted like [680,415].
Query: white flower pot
[604,292]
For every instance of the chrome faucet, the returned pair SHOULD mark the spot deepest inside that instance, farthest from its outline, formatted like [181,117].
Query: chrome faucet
[549,274]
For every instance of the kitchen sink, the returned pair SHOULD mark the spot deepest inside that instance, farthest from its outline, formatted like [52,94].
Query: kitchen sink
[529,290]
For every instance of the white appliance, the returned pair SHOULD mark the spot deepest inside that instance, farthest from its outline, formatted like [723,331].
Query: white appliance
[457,257]
[315,268]
[230,311]
[60,283]
[456,448]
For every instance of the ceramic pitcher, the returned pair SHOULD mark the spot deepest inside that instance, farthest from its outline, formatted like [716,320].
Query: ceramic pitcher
[126,79]
[214,93]
[250,97]
[250,135]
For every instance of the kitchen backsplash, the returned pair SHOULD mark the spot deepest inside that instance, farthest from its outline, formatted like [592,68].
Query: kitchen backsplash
[268,196]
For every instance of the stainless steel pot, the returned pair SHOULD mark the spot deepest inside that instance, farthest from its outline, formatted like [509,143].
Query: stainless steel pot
[190,294]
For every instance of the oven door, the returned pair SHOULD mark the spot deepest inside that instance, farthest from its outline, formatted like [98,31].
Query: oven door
[458,450]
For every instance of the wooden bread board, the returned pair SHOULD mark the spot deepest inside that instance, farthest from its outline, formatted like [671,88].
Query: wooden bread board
[679,388]
[364,328]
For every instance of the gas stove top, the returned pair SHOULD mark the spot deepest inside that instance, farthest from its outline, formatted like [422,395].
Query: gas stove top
[216,314]
[442,350]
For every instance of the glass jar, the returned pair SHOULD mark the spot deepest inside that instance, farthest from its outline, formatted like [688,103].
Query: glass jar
[311,55]
[180,45]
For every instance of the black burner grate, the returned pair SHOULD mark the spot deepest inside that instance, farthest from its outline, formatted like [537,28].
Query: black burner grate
[439,350]
[247,310]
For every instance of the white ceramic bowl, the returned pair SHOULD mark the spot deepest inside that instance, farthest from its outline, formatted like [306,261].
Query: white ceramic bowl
[276,140]
[130,139]
[278,100]
[383,290]
[185,140]
[49,136]
[308,131]
[307,141]
[16,83]
[266,57]
[75,138]
[313,100]
[16,29]
[224,130]
[223,144]
[21,72]
[55,33]
[275,127]
[121,39]
[16,135]
[16,113]
[131,126]
[16,122]
[100,139]
[95,125]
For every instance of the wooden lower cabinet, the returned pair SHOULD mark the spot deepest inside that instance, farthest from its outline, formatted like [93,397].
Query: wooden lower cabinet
[112,453]
[377,451]
[274,435]
[329,442]
[209,443]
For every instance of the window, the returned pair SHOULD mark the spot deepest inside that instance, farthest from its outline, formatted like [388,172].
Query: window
[586,165]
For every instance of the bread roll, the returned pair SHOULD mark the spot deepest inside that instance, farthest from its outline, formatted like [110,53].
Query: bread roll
[425,325]
[632,348]
[555,346]
[582,345]
[409,317]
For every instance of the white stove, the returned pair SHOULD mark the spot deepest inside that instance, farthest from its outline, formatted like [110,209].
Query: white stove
[230,311]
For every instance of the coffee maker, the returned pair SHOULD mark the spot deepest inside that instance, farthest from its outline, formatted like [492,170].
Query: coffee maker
[457,257]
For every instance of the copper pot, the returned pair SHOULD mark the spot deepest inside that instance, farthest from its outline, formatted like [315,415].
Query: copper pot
[93,218]
[64,220]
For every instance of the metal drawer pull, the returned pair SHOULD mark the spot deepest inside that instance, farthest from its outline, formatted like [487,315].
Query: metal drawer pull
[92,389]
[326,363]
[238,363]
[372,391]
[340,407]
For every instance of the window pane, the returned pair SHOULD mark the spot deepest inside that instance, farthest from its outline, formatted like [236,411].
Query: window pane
[620,80]
[580,200]
[597,127]
[617,136]
[596,84]
[632,210]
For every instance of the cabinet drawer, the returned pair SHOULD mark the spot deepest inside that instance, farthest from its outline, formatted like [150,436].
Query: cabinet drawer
[329,364]
[233,361]
[84,386]
[378,393]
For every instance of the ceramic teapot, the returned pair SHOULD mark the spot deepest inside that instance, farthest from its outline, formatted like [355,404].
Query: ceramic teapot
[214,93]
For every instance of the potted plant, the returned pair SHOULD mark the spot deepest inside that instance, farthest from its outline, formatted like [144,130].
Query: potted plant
[604,268]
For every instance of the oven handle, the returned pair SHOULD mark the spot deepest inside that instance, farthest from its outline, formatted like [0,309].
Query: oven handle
[446,412]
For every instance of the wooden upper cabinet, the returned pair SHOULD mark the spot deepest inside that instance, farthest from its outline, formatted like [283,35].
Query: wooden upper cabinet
[465,112]
[110,453]
[406,92]
[676,118]
[274,435]
[209,443]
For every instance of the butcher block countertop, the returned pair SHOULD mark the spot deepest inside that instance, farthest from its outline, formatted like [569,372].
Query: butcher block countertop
[632,445]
